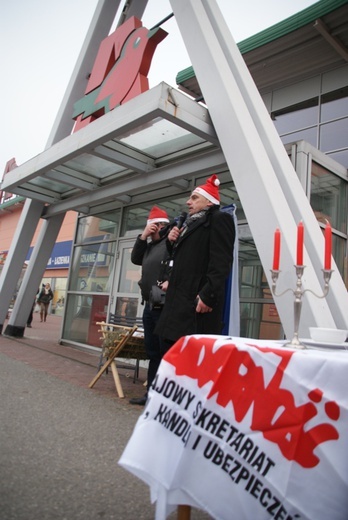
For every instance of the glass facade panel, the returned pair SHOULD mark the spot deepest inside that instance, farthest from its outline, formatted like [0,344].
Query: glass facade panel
[322,122]
[136,217]
[83,311]
[129,273]
[258,314]
[93,229]
[339,252]
[94,261]
[126,307]
[93,166]
[296,117]
[160,138]
[92,266]
[329,197]
[309,134]
[334,135]
[260,321]
[59,292]
[334,105]
[340,157]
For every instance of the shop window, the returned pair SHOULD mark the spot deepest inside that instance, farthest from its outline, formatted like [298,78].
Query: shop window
[92,267]
[96,228]
[82,314]
[258,313]
[129,273]
[328,200]
[126,307]
[339,252]
[260,320]
[59,295]
[328,197]
[135,217]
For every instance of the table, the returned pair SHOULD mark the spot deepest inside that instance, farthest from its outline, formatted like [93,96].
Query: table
[245,428]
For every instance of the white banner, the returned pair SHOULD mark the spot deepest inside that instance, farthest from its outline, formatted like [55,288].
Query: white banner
[246,431]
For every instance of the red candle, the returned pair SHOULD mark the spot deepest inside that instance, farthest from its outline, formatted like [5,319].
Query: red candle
[276,254]
[300,233]
[328,246]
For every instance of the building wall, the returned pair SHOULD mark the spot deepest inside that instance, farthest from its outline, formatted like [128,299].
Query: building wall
[9,219]
[8,224]
[56,277]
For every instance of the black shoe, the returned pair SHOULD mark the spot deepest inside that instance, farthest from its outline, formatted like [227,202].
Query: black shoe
[29,326]
[139,400]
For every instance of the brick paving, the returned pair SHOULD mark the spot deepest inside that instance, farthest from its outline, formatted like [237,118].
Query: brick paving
[40,348]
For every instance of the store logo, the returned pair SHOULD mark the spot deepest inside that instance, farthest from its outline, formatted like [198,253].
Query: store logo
[255,396]
[119,72]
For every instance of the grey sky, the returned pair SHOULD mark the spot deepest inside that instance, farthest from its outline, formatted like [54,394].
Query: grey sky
[40,41]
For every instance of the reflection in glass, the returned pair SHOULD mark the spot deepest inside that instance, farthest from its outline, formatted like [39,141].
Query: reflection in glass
[59,296]
[310,135]
[334,136]
[92,229]
[92,266]
[339,245]
[129,275]
[298,116]
[260,321]
[334,104]
[258,314]
[126,307]
[83,312]
[340,157]
[329,197]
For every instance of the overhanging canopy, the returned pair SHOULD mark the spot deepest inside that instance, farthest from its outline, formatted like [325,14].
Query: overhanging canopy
[152,142]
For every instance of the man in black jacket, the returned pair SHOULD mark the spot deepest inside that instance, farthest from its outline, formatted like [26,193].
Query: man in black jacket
[148,251]
[202,256]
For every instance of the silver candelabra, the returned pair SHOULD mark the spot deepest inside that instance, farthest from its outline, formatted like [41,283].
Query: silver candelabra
[298,293]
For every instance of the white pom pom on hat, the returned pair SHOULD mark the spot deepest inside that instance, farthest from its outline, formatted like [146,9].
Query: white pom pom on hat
[210,190]
[157,215]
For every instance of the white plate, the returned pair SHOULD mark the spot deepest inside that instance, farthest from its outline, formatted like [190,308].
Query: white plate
[322,344]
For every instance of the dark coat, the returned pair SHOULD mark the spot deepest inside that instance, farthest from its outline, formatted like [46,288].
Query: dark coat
[203,260]
[45,296]
[149,255]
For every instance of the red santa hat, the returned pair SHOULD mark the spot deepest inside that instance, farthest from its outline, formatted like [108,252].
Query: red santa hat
[210,190]
[157,215]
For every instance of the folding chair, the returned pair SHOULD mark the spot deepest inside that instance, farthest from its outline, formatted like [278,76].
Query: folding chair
[119,335]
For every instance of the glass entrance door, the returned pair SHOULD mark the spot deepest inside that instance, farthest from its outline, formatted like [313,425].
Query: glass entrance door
[126,295]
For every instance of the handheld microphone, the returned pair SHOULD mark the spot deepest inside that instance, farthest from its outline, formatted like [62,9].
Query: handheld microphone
[181,220]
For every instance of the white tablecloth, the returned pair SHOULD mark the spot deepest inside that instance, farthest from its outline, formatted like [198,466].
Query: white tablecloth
[246,429]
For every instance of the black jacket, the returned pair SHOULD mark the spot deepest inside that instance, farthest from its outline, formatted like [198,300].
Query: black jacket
[149,255]
[45,297]
[202,262]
